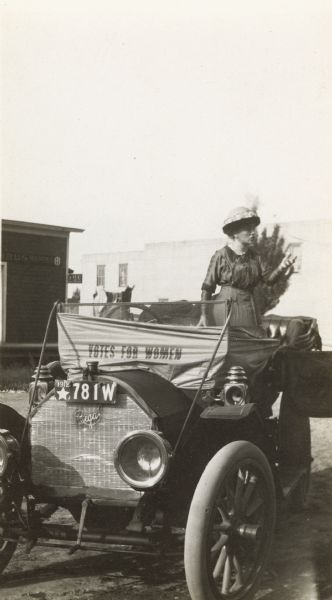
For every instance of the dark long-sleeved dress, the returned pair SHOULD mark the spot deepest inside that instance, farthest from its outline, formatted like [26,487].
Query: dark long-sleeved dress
[238,275]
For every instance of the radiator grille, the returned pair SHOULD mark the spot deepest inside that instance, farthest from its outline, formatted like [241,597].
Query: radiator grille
[69,452]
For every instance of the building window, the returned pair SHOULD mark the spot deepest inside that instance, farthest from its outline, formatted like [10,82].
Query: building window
[101,275]
[123,275]
[295,250]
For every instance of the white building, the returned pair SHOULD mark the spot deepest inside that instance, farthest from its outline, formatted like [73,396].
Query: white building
[175,271]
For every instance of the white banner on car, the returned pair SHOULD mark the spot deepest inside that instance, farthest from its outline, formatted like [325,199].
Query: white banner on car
[177,353]
[180,354]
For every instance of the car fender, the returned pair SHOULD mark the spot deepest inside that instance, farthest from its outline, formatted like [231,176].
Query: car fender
[231,423]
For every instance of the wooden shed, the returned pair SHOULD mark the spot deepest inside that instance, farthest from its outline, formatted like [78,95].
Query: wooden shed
[34,267]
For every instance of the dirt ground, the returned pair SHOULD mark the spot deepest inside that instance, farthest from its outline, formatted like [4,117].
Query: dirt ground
[300,569]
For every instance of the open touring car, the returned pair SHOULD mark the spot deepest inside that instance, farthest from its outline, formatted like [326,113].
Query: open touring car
[152,432]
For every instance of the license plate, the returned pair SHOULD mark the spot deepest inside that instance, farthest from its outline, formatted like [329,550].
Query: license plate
[86,391]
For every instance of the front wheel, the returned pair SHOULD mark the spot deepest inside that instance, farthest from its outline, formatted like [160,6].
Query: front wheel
[9,509]
[230,525]
[7,550]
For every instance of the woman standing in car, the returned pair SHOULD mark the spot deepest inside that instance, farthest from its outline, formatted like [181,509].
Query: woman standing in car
[238,269]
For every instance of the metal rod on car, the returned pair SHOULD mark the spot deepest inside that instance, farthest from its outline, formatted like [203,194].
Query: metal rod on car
[222,333]
[33,396]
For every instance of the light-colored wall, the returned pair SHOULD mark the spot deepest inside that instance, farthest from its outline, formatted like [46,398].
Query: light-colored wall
[135,260]
[175,270]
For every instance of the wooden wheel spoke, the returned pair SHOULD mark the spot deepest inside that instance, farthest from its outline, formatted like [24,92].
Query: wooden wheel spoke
[238,571]
[223,539]
[222,513]
[226,580]
[219,566]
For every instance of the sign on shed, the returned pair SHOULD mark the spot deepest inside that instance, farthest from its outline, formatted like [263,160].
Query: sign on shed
[74,277]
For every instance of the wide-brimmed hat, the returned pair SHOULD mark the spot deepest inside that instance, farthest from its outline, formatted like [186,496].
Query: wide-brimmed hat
[242,215]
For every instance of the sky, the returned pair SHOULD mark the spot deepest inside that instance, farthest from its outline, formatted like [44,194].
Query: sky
[149,121]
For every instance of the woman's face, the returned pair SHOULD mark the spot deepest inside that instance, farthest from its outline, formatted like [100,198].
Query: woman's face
[246,235]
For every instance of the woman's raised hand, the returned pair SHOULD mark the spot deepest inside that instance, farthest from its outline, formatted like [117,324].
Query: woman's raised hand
[287,262]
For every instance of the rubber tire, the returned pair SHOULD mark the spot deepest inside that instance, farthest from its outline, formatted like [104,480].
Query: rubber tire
[206,492]
[7,550]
